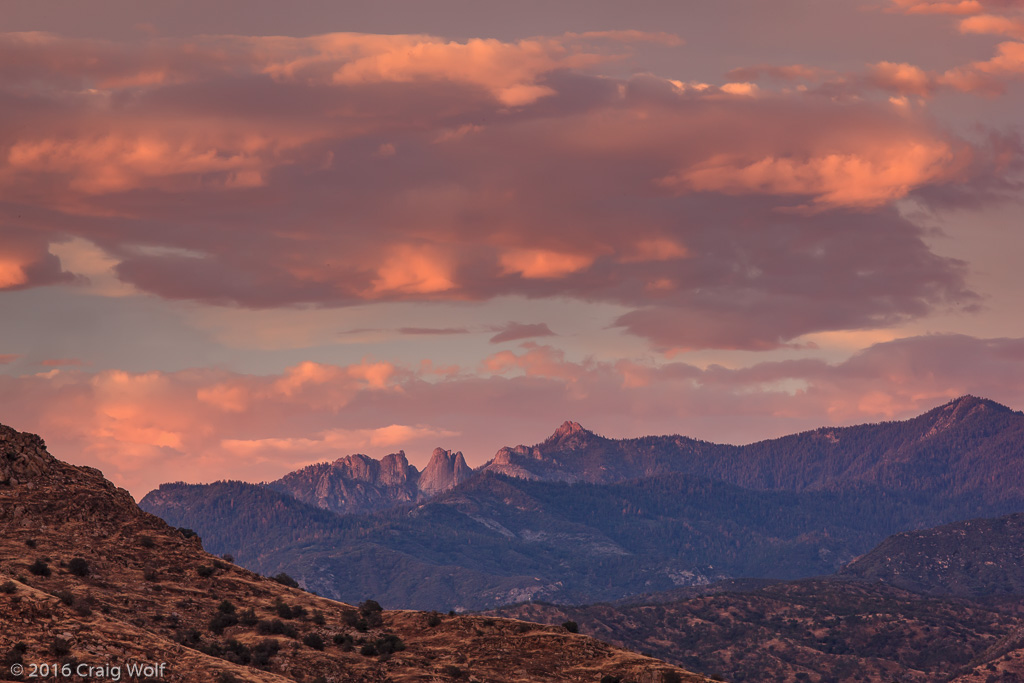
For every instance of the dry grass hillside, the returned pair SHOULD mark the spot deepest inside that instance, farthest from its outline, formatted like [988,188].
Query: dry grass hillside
[88,582]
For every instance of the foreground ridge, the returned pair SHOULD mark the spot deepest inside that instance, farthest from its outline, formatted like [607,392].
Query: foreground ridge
[87,579]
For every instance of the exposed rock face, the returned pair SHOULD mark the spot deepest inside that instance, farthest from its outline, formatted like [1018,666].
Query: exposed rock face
[358,483]
[445,470]
[141,592]
[22,457]
[354,483]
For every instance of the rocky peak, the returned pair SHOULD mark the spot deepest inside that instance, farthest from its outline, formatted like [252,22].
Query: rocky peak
[960,410]
[568,428]
[395,470]
[23,457]
[570,435]
[445,470]
[358,467]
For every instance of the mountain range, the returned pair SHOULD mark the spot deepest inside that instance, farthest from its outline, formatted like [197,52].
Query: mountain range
[582,518]
[94,588]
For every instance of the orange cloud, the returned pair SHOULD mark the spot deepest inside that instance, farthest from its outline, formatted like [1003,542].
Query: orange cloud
[542,263]
[411,269]
[903,78]
[12,273]
[938,6]
[988,76]
[991,24]
[866,178]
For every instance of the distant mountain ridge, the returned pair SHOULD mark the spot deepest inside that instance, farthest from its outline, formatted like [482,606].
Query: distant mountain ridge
[580,517]
[949,448]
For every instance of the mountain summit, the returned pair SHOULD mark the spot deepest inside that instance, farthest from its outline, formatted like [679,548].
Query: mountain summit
[568,429]
[445,470]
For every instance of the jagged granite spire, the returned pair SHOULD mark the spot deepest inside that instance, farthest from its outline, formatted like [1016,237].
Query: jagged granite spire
[445,470]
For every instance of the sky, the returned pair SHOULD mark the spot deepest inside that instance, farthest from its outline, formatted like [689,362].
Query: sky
[241,237]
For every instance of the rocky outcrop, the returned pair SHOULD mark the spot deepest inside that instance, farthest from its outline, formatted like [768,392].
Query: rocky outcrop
[353,484]
[359,484]
[22,457]
[445,470]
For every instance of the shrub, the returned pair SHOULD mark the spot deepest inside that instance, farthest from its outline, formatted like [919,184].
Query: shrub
[314,641]
[16,655]
[368,607]
[40,568]
[187,533]
[264,650]
[372,612]
[389,643]
[205,571]
[236,652]
[82,608]
[228,557]
[9,587]
[571,626]
[60,647]
[344,641]
[190,637]
[147,542]
[283,610]
[433,619]
[221,621]
[30,542]
[149,574]
[285,580]
[318,618]
[608,678]
[226,677]
[276,627]
[451,671]
[65,596]
[368,650]
[79,566]
[226,607]
[248,617]
[674,677]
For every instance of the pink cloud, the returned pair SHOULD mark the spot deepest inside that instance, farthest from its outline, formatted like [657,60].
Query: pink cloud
[25,260]
[954,7]
[643,192]
[205,424]
[992,24]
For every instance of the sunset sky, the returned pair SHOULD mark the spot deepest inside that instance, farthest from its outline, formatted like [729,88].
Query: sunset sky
[243,236]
